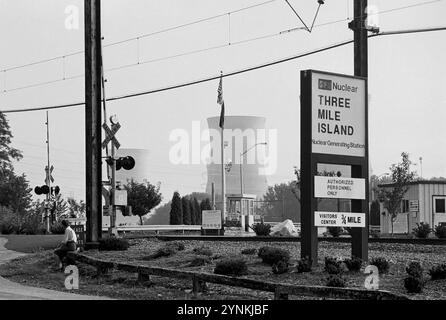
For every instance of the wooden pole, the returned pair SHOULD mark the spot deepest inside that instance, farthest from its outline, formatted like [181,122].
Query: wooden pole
[360,235]
[93,133]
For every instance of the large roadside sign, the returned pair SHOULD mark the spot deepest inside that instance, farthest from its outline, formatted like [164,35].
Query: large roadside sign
[334,131]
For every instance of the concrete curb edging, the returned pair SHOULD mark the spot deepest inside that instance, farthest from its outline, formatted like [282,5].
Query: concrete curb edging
[280,290]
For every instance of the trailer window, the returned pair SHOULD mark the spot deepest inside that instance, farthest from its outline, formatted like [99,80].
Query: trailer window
[440,206]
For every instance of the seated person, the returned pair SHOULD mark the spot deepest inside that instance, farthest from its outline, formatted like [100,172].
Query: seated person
[68,244]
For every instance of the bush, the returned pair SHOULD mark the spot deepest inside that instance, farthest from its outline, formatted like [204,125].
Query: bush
[235,267]
[422,230]
[271,255]
[6,227]
[304,265]
[440,231]
[178,246]
[261,229]
[374,233]
[280,267]
[381,263]
[438,272]
[232,224]
[353,264]
[113,244]
[334,231]
[414,284]
[203,251]
[200,261]
[249,251]
[333,265]
[414,269]
[57,228]
[335,281]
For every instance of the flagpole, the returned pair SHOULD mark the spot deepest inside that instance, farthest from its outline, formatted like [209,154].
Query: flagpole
[223,179]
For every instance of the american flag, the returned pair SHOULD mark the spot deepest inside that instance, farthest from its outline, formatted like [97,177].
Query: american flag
[221,102]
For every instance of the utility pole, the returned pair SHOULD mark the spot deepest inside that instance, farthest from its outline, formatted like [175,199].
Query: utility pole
[93,133]
[358,25]
[47,180]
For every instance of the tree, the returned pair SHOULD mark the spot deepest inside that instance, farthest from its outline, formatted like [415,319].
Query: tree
[7,153]
[176,210]
[76,209]
[205,204]
[281,202]
[15,192]
[186,211]
[392,194]
[197,212]
[142,197]
[59,208]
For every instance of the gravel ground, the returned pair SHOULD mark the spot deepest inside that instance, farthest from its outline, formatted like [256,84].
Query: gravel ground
[398,255]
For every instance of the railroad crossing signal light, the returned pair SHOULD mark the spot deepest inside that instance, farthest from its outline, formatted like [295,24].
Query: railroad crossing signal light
[42,190]
[55,190]
[127,163]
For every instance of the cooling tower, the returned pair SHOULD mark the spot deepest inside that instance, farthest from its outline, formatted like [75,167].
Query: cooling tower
[241,133]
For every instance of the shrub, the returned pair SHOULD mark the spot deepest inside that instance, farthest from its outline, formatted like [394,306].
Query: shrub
[232,224]
[113,244]
[414,284]
[374,233]
[438,272]
[304,265]
[422,230]
[414,269]
[334,231]
[200,261]
[353,264]
[203,251]
[57,228]
[440,231]
[261,229]
[165,251]
[381,263]
[333,265]
[280,267]
[235,267]
[335,281]
[6,227]
[249,251]
[271,255]
[178,246]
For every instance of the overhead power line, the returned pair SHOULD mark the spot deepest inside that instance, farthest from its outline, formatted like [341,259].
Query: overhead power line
[200,21]
[233,73]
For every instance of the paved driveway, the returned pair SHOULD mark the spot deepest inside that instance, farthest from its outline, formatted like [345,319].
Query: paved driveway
[13,291]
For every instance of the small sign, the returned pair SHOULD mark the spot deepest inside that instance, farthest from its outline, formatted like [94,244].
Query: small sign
[340,188]
[339,219]
[80,234]
[211,219]
[120,197]
[414,206]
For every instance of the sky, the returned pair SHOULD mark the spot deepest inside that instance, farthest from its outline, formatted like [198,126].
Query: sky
[407,87]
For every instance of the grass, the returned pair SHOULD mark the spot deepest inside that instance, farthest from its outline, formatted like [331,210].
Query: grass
[32,243]
[36,270]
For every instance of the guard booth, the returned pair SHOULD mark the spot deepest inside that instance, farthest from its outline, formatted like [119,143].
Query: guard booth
[241,210]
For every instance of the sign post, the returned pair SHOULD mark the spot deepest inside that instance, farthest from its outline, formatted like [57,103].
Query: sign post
[334,130]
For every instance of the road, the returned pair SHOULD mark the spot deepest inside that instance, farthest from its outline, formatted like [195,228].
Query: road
[14,291]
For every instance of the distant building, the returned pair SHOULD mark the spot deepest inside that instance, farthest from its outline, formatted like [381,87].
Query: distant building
[245,129]
[424,202]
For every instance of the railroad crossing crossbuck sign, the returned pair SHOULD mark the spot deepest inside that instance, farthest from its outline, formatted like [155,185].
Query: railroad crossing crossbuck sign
[110,135]
[48,174]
